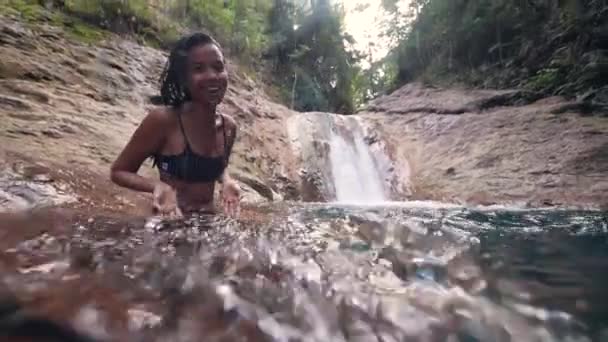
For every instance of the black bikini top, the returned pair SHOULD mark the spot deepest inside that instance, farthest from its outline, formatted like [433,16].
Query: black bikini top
[191,167]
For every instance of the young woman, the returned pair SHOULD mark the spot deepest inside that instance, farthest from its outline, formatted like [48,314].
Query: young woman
[189,141]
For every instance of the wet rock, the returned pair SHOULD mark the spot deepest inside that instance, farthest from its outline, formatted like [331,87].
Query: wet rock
[312,187]
[21,192]
[27,90]
[256,184]
[372,228]
[27,116]
[494,152]
[415,98]
[66,129]
[112,63]
[250,196]
[371,139]
[42,178]
[14,31]
[15,102]
[52,133]
[128,81]
[22,131]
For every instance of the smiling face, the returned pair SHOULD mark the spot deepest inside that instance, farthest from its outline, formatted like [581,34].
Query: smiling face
[207,79]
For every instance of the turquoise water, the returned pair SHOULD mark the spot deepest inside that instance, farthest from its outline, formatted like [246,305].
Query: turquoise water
[562,256]
[556,260]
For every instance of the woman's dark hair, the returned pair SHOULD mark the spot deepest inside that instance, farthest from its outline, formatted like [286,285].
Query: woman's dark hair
[173,91]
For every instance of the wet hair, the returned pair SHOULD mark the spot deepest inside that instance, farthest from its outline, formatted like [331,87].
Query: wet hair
[173,90]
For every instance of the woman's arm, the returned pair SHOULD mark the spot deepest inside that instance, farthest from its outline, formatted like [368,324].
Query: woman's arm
[232,128]
[230,189]
[145,141]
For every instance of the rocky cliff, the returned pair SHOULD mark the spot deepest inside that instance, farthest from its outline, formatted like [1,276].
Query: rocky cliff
[496,147]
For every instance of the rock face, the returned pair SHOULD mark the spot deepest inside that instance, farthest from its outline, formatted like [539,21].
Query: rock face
[490,147]
[68,105]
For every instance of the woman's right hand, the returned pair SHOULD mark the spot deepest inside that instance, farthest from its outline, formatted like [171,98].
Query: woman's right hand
[165,201]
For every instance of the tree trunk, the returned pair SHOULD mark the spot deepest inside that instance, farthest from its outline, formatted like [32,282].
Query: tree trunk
[499,42]
[293,90]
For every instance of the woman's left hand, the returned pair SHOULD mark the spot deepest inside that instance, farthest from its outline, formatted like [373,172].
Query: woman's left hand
[231,197]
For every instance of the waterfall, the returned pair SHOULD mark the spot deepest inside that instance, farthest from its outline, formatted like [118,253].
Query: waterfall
[355,176]
[338,163]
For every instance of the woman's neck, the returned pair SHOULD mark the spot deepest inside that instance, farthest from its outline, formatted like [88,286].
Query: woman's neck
[201,115]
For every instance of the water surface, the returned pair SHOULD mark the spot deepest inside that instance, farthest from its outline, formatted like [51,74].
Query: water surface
[318,272]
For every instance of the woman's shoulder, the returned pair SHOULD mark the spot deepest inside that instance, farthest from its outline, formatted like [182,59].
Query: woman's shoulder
[161,115]
[160,118]
[157,121]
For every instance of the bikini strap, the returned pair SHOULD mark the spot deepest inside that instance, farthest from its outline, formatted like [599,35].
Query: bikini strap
[225,141]
[181,126]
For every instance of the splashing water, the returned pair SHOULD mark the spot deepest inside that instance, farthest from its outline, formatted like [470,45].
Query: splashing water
[319,272]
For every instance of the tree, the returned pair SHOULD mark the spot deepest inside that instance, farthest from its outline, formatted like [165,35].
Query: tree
[308,51]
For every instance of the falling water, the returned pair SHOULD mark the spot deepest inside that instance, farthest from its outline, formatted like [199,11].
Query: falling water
[355,176]
[340,163]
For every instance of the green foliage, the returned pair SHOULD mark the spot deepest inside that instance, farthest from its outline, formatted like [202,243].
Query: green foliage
[209,14]
[32,11]
[134,17]
[300,46]
[109,9]
[28,10]
[544,79]
[85,33]
[309,52]
[499,43]
[238,25]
